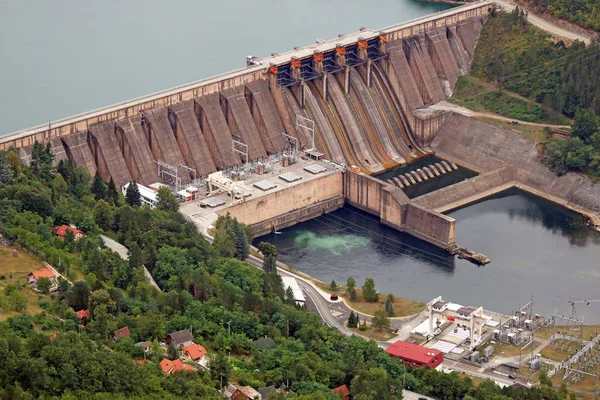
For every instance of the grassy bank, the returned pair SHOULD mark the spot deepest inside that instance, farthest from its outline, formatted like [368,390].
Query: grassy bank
[478,95]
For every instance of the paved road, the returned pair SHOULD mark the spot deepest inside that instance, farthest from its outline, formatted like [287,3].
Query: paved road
[547,25]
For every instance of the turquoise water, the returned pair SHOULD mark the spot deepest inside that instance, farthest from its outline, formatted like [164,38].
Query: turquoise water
[64,57]
[536,248]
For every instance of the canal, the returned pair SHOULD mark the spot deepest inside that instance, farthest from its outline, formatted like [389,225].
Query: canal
[537,249]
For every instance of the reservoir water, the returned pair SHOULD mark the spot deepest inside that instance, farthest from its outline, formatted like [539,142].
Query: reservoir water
[63,57]
[537,249]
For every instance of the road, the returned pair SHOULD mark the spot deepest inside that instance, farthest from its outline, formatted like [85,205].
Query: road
[547,25]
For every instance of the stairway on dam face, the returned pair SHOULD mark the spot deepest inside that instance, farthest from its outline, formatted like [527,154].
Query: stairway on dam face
[294,110]
[160,136]
[324,130]
[217,134]
[374,123]
[79,152]
[190,138]
[265,115]
[107,153]
[240,121]
[136,150]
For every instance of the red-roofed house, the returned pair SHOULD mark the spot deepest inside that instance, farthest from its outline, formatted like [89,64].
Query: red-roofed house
[61,232]
[245,393]
[172,367]
[341,391]
[121,333]
[194,352]
[415,355]
[42,273]
[83,314]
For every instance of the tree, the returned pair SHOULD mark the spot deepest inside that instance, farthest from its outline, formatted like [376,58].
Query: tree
[333,285]
[353,295]
[98,188]
[289,296]
[586,124]
[369,293]
[172,353]
[353,320]
[111,192]
[373,383]
[103,215]
[44,285]
[544,379]
[60,186]
[15,162]
[224,242]
[350,284]
[242,247]
[132,195]
[166,200]
[381,320]
[6,173]
[389,306]
[79,295]
[220,369]
[270,253]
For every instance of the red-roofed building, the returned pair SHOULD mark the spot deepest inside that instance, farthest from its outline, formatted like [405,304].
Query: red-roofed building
[121,333]
[341,391]
[172,367]
[83,314]
[415,355]
[194,352]
[42,273]
[245,393]
[61,232]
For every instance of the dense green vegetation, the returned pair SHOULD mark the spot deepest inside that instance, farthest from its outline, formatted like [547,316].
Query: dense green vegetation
[224,301]
[583,12]
[519,58]
[478,96]
[522,59]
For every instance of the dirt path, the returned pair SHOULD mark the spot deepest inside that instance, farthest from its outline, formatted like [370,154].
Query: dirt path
[447,106]
[547,25]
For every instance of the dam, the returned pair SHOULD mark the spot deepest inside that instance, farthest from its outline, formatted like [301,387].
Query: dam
[353,107]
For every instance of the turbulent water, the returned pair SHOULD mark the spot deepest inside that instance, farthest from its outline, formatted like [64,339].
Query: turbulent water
[537,249]
[64,57]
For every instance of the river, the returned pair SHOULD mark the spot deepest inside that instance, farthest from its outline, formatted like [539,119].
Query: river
[537,249]
[63,57]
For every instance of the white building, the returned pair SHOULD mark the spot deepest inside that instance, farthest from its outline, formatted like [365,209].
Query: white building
[148,195]
[289,281]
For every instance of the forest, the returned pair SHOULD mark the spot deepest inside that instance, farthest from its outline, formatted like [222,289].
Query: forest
[522,59]
[206,288]
[582,12]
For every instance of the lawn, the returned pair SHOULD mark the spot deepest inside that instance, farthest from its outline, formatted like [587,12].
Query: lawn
[402,307]
[15,269]
[589,331]
[584,388]
[508,350]
[375,334]
[553,350]
[478,95]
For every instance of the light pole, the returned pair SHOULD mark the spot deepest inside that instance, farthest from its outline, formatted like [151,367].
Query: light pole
[229,327]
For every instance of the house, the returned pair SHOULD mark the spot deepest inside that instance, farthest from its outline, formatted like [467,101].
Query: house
[147,196]
[229,390]
[171,367]
[83,314]
[61,232]
[42,273]
[341,391]
[264,343]
[194,352]
[245,393]
[180,339]
[415,355]
[121,333]
[146,346]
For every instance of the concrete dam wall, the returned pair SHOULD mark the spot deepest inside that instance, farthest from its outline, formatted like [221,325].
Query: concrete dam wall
[360,89]
[505,159]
